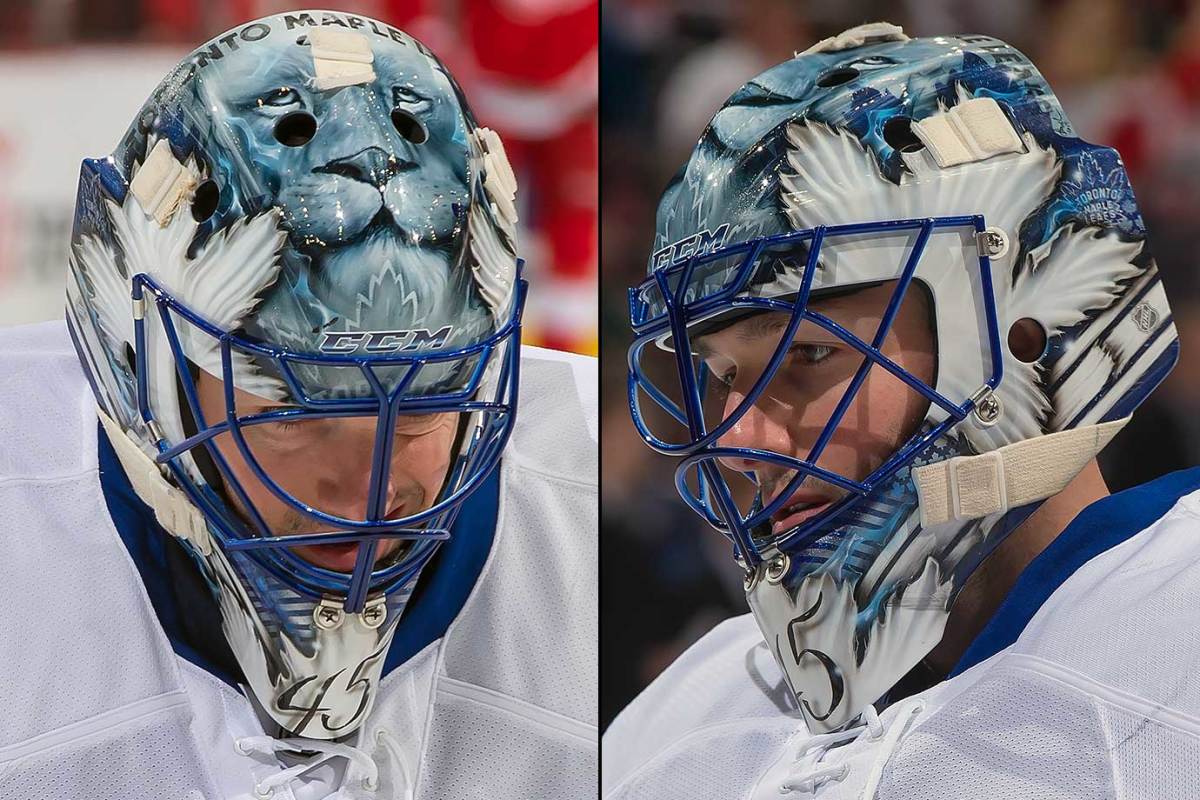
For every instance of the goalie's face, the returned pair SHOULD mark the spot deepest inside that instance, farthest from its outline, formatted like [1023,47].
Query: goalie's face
[326,464]
[803,395]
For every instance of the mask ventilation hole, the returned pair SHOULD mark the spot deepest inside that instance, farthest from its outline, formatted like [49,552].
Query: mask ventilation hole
[409,126]
[131,359]
[836,76]
[898,133]
[1027,340]
[296,129]
[204,200]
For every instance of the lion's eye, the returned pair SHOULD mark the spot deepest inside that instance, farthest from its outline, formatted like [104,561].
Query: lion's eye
[283,96]
[874,61]
[409,99]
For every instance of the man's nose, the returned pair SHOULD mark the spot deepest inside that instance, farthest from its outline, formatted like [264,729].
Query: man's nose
[763,426]
[344,484]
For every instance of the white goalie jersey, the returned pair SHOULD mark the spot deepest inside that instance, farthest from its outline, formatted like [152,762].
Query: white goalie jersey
[100,707]
[1097,697]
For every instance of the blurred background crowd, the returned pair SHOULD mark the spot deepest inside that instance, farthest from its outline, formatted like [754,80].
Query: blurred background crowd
[1128,75]
[74,72]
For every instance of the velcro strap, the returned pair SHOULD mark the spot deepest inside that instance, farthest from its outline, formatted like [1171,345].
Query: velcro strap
[172,508]
[340,58]
[858,36]
[971,487]
[161,183]
[973,130]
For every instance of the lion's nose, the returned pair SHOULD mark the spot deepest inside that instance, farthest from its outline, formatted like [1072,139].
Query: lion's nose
[372,165]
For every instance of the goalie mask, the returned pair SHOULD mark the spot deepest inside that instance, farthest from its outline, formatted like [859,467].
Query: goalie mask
[937,184]
[303,235]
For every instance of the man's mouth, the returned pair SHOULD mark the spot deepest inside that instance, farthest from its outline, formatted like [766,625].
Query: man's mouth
[801,507]
[342,556]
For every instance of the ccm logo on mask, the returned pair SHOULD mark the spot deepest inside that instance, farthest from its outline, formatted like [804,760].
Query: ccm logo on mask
[342,342]
[698,244]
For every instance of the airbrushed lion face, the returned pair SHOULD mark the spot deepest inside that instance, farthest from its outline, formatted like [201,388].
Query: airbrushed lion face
[371,180]
[358,161]
[362,172]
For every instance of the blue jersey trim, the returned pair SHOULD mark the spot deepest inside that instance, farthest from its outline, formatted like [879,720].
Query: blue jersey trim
[1099,527]
[447,582]
[440,594]
[147,544]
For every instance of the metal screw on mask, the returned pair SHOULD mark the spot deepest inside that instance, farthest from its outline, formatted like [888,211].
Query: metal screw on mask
[328,614]
[993,242]
[777,568]
[374,613]
[988,408]
[750,580]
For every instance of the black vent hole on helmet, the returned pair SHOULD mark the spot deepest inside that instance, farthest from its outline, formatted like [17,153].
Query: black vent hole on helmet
[131,358]
[409,126]
[898,133]
[296,129]
[1027,340]
[204,200]
[836,76]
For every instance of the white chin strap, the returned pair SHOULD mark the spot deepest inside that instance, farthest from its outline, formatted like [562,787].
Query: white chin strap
[172,507]
[970,487]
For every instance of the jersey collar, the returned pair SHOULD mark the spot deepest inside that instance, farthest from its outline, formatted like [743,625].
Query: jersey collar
[1098,528]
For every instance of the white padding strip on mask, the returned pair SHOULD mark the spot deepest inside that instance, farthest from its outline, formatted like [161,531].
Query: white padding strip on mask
[340,58]
[161,183]
[501,181]
[171,506]
[970,487]
[970,131]
[858,36]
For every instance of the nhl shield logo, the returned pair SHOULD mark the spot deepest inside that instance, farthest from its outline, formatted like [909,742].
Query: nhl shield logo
[1144,316]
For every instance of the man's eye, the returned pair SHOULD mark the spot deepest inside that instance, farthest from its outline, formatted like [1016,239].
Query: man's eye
[810,353]
[418,424]
[283,96]
[287,425]
[722,376]
[282,434]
